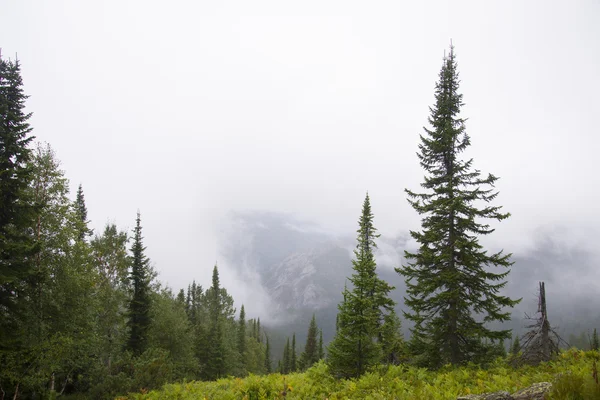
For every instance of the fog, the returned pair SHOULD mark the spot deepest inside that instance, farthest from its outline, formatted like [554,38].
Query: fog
[189,111]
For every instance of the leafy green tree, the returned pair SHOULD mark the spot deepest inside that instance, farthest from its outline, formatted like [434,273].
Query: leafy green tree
[17,212]
[449,278]
[356,345]
[139,306]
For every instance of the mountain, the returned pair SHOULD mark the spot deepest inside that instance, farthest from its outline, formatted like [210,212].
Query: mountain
[302,269]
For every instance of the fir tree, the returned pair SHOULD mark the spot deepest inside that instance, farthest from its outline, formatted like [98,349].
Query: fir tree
[293,361]
[449,277]
[392,341]
[357,343]
[139,306]
[81,212]
[516,346]
[17,213]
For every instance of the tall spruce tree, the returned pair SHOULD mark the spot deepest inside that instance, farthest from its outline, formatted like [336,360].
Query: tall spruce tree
[81,212]
[139,306]
[242,338]
[321,351]
[215,363]
[268,361]
[293,360]
[17,213]
[449,278]
[286,357]
[310,355]
[356,345]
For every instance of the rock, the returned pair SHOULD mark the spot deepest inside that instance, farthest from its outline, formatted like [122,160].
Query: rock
[537,391]
[487,396]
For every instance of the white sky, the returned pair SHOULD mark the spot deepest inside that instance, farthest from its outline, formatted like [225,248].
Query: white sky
[189,109]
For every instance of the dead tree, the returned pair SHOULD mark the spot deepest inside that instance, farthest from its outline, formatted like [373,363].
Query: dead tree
[541,342]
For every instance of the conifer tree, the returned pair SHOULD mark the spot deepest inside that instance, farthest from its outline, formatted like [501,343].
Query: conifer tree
[356,345]
[311,350]
[516,346]
[215,364]
[81,212]
[392,341]
[17,213]
[242,337]
[321,351]
[293,361]
[286,357]
[139,306]
[450,276]
[595,345]
[268,361]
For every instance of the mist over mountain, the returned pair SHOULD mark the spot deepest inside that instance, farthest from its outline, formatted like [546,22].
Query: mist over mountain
[297,268]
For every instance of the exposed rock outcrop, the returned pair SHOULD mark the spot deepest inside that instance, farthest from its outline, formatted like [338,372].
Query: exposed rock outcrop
[537,391]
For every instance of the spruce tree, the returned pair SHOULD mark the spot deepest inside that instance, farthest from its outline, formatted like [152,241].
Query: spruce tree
[311,350]
[595,345]
[450,278]
[242,337]
[215,364]
[268,361]
[286,357]
[392,340]
[516,346]
[17,213]
[139,306]
[293,361]
[356,345]
[81,212]
[321,351]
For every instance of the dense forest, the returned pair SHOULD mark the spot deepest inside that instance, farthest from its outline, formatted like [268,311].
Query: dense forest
[82,313]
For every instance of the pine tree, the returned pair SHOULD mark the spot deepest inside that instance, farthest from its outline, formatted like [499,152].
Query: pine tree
[17,213]
[242,338]
[357,343]
[268,361]
[81,211]
[139,306]
[293,361]
[449,277]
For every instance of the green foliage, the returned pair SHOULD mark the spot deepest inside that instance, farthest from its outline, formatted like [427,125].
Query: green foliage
[358,340]
[139,305]
[571,375]
[450,277]
[310,355]
[595,345]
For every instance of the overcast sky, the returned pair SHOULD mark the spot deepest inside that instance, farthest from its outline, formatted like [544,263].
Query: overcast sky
[189,109]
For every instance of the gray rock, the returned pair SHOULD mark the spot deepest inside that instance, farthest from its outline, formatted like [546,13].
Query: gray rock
[537,391]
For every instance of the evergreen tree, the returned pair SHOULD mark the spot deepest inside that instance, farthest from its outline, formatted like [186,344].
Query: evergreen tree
[356,345]
[17,213]
[310,355]
[268,361]
[293,361]
[139,306]
[81,211]
[516,346]
[321,351]
[595,345]
[215,364]
[449,277]
[392,341]
[242,338]
[286,357]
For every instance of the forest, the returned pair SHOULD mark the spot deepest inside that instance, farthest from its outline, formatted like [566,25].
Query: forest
[83,315]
